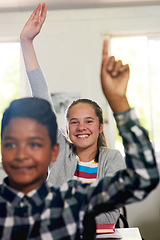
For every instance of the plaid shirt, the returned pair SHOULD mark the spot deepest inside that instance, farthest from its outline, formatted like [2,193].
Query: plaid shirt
[58,213]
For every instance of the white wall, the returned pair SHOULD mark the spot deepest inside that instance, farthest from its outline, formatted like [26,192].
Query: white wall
[69,50]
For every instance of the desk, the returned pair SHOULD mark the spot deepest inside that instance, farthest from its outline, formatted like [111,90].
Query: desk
[126,234]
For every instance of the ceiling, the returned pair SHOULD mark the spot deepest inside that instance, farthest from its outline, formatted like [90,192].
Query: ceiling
[25,5]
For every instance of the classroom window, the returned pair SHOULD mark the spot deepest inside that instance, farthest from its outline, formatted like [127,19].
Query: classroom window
[142,54]
[9,74]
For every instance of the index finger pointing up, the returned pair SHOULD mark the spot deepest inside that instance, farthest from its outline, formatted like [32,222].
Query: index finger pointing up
[105,49]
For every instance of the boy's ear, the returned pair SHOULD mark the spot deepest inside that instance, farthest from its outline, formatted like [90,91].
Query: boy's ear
[55,151]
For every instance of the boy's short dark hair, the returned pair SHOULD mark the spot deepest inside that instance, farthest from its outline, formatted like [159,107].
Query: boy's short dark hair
[35,108]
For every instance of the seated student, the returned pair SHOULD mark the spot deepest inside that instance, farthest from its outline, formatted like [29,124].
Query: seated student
[29,207]
[87,148]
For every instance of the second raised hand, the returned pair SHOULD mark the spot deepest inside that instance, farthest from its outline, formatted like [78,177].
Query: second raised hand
[114,80]
[34,23]
[31,29]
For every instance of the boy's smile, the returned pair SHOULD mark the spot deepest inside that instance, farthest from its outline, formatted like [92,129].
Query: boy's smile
[26,153]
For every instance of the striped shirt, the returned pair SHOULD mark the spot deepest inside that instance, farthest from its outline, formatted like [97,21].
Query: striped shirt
[86,172]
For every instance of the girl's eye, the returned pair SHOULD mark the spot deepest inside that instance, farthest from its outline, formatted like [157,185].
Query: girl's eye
[74,122]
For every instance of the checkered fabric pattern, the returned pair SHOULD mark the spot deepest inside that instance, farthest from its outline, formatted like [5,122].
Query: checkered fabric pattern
[58,213]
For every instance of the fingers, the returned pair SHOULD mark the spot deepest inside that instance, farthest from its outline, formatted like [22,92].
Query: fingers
[110,65]
[105,49]
[43,12]
[104,57]
[116,67]
[37,12]
[124,68]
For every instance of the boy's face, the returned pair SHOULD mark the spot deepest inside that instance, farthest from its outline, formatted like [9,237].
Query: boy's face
[26,153]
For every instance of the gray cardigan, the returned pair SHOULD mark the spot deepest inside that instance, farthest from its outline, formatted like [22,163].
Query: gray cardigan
[109,161]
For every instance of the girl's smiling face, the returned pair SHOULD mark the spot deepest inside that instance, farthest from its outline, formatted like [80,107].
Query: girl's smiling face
[83,126]
[26,153]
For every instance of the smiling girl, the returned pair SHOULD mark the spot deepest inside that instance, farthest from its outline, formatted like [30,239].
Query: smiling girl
[86,156]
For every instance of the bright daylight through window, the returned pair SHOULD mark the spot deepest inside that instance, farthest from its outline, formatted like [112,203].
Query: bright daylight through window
[142,54]
[9,74]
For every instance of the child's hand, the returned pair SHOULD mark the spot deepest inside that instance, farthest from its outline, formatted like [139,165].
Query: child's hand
[34,23]
[114,80]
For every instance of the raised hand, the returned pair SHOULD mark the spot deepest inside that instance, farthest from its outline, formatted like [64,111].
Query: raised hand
[114,80]
[34,23]
[30,31]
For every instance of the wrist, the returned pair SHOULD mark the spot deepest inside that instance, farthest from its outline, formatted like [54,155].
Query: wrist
[25,41]
[119,104]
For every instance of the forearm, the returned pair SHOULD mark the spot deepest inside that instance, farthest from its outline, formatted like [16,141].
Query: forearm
[119,104]
[29,55]
[39,85]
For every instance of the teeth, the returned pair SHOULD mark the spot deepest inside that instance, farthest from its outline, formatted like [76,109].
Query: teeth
[82,136]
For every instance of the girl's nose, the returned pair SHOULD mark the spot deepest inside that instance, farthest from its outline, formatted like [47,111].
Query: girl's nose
[81,126]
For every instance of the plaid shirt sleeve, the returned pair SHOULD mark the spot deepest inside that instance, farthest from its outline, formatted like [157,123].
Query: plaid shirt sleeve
[140,157]
[138,180]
